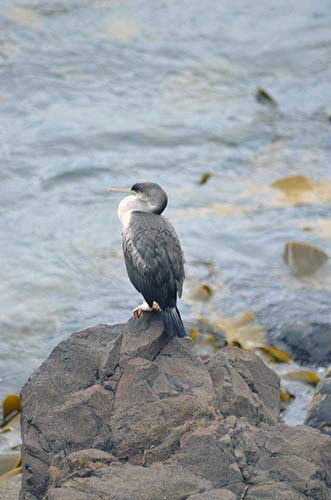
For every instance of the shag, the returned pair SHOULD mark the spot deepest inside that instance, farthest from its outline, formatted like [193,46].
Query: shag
[153,255]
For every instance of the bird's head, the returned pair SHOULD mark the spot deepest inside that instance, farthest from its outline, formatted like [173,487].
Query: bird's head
[145,196]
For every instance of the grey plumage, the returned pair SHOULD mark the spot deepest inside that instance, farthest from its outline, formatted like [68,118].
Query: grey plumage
[154,258]
[153,255]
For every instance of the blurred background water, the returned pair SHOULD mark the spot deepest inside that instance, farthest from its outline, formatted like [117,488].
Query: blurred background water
[95,93]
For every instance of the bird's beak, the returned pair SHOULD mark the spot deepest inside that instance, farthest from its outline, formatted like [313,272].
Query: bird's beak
[117,190]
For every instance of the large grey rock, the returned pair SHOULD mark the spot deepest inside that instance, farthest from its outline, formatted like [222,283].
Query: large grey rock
[121,389]
[123,412]
[319,410]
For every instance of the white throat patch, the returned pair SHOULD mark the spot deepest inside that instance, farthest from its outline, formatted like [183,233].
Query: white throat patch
[125,209]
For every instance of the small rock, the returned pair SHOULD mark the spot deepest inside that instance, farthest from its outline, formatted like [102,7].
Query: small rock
[205,177]
[263,97]
[319,410]
[293,183]
[203,293]
[304,259]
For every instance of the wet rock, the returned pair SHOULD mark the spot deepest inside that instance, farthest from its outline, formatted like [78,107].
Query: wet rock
[293,183]
[263,97]
[203,331]
[319,410]
[302,258]
[307,343]
[300,307]
[120,412]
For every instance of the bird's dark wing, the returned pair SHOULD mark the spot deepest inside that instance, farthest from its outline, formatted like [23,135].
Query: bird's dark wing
[175,255]
[153,258]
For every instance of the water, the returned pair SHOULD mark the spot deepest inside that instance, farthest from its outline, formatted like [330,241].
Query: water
[100,93]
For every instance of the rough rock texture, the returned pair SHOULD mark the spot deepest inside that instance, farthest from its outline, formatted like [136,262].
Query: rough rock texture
[10,488]
[307,343]
[319,410]
[121,412]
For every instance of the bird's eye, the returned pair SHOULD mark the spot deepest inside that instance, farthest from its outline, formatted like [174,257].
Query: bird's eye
[136,188]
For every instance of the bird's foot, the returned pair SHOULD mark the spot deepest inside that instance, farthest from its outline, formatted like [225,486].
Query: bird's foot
[137,311]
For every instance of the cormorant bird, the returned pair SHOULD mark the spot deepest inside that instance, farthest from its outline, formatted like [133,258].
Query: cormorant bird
[153,255]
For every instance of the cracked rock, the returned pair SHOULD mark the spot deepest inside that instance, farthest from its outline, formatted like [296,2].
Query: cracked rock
[319,410]
[123,412]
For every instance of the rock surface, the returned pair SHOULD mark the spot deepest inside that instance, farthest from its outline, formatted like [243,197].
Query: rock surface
[122,412]
[10,488]
[319,410]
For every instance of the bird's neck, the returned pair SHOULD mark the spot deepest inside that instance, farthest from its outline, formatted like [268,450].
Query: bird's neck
[127,206]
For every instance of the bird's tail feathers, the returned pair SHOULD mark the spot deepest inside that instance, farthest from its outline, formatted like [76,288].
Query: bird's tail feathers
[173,324]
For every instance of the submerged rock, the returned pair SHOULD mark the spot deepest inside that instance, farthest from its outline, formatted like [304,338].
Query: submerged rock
[121,412]
[293,183]
[319,410]
[307,343]
[304,259]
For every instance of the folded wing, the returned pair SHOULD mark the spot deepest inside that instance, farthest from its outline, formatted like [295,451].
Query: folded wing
[154,258]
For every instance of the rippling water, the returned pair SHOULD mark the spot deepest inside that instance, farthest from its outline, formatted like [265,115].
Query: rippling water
[99,93]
